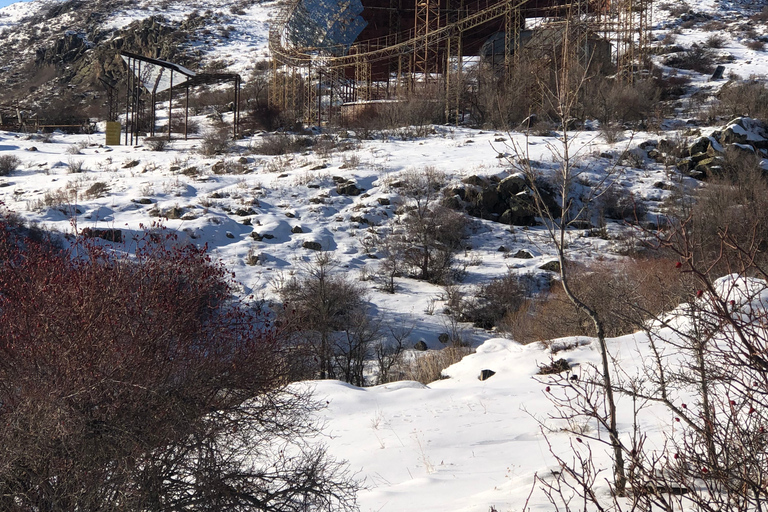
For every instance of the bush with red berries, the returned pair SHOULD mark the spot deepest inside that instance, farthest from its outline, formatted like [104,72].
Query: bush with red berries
[135,380]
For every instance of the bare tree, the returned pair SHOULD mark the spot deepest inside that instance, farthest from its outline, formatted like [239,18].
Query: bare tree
[562,98]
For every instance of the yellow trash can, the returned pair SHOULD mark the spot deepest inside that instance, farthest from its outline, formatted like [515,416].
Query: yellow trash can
[113,133]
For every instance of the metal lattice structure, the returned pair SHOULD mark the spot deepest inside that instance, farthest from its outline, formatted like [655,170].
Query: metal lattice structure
[148,80]
[353,52]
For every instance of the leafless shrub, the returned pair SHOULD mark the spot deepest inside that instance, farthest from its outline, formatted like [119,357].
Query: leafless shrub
[156,143]
[652,285]
[326,318]
[743,98]
[428,366]
[494,300]
[216,141]
[715,41]
[282,144]
[762,16]
[675,9]
[756,45]
[697,58]
[167,389]
[8,164]
[75,165]
[433,231]
[98,189]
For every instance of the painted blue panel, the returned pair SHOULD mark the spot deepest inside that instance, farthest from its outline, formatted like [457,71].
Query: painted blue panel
[326,23]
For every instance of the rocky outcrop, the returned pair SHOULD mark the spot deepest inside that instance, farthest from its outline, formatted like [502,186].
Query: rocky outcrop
[507,200]
[708,156]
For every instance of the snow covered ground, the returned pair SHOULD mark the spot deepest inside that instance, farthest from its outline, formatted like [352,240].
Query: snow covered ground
[459,444]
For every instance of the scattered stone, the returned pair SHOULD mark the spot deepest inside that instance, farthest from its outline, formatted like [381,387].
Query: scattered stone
[523,255]
[244,212]
[315,246]
[420,346]
[443,338]
[348,189]
[32,149]
[296,229]
[475,180]
[290,215]
[144,200]
[188,216]
[502,249]
[173,213]
[486,374]
[551,266]
[383,201]
[229,235]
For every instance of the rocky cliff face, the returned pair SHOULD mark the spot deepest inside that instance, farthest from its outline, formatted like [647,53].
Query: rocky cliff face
[68,48]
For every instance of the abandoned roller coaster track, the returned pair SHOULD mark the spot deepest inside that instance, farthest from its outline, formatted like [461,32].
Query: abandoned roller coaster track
[428,46]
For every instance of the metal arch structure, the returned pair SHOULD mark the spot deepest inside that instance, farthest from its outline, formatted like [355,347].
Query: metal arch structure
[373,54]
[149,77]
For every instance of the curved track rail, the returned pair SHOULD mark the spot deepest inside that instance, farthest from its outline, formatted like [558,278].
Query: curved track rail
[373,50]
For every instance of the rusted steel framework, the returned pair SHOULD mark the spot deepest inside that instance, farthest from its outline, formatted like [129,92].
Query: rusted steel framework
[149,79]
[379,49]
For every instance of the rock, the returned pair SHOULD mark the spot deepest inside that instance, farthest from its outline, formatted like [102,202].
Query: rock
[486,374]
[685,165]
[551,266]
[131,164]
[244,212]
[257,236]
[290,215]
[296,229]
[489,200]
[173,213]
[348,189]
[511,186]
[699,146]
[312,245]
[383,201]
[710,166]
[443,338]
[188,216]
[475,180]
[144,200]
[218,167]
[502,249]
[110,235]
[359,219]
[420,346]
[32,148]
[228,234]
[453,202]
[242,160]
[523,255]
